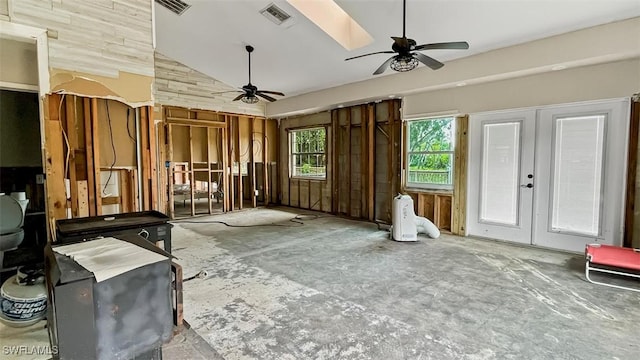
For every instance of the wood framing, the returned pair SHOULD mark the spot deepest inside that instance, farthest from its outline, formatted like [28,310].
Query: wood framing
[458,220]
[96,156]
[371,142]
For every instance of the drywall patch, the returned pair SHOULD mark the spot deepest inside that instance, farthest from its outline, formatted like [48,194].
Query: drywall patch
[131,89]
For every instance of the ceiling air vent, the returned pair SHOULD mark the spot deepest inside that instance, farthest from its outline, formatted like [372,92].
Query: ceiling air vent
[275,14]
[176,6]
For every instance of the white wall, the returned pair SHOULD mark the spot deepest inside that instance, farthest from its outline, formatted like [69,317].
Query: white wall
[98,48]
[604,81]
[178,85]
[597,45]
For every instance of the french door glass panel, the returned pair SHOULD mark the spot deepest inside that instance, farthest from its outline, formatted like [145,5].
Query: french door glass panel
[577,178]
[500,173]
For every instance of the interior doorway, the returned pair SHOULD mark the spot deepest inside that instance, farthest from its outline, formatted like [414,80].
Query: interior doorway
[552,176]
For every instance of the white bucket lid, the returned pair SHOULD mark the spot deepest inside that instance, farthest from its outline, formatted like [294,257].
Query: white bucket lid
[10,214]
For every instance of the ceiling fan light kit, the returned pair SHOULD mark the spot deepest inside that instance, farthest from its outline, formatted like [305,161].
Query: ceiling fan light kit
[407,52]
[402,63]
[249,99]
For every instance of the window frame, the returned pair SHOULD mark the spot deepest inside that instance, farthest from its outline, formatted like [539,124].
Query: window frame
[451,153]
[292,154]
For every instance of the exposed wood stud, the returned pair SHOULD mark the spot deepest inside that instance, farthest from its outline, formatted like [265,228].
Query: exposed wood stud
[252,163]
[632,163]
[209,197]
[231,156]
[125,191]
[265,162]
[238,159]
[170,170]
[145,177]
[371,128]
[72,137]
[335,186]
[460,177]
[54,164]
[96,155]
[153,163]
[192,179]
[83,199]
[91,175]
[348,160]
[225,166]
[363,161]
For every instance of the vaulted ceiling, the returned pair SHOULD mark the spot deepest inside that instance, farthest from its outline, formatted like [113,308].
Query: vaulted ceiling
[298,57]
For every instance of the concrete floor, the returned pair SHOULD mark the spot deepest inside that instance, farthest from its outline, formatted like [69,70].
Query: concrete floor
[339,289]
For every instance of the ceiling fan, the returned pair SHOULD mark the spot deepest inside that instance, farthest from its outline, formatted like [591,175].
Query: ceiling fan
[407,57]
[250,92]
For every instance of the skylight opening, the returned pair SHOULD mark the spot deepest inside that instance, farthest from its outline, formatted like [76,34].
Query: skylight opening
[334,21]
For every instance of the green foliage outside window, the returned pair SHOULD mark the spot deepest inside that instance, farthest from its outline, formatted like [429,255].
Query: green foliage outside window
[430,152]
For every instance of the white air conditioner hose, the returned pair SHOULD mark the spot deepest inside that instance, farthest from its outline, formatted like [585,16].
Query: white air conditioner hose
[424,225]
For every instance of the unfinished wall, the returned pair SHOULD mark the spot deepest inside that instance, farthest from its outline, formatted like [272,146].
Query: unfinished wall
[363,162]
[96,47]
[19,66]
[236,149]
[179,85]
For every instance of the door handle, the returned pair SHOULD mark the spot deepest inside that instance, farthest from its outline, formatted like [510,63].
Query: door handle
[529,185]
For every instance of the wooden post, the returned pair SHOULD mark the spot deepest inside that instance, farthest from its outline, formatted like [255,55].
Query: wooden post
[237,148]
[363,162]
[208,129]
[460,176]
[371,143]
[335,200]
[170,171]
[225,167]
[83,199]
[96,156]
[125,190]
[252,162]
[348,159]
[88,138]
[54,163]
[153,160]
[192,179]
[72,137]
[144,148]
[232,151]
[265,162]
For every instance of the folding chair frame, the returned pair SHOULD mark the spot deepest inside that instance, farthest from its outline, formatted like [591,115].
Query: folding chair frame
[589,268]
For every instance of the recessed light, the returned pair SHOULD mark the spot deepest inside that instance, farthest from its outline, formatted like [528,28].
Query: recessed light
[461,84]
[340,106]
[558,67]
[392,96]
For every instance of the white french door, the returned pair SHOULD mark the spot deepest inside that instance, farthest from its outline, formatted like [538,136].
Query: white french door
[552,177]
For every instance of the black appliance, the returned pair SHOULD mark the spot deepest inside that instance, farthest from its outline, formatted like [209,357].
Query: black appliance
[151,225]
[128,316]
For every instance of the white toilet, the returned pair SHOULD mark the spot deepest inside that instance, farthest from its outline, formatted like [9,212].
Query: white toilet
[11,221]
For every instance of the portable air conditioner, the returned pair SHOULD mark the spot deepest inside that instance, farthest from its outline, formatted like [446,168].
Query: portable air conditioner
[406,224]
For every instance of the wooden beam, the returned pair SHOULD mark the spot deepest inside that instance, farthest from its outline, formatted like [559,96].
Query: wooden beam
[88,138]
[237,148]
[54,163]
[153,159]
[125,191]
[252,163]
[232,151]
[225,166]
[391,175]
[192,178]
[348,158]
[363,162]
[170,176]
[265,162]
[96,156]
[111,200]
[209,202]
[459,208]
[146,169]
[72,138]
[371,143]
[83,199]
[335,200]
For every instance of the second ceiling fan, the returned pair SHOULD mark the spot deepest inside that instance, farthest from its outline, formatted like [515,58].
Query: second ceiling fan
[408,57]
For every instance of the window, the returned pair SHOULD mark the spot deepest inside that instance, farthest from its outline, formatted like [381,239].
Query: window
[430,153]
[308,149]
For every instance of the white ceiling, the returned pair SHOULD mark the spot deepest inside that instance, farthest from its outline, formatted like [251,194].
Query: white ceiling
[300,58]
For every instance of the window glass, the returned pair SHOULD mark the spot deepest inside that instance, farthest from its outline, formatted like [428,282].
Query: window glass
[430,154]
[308,153]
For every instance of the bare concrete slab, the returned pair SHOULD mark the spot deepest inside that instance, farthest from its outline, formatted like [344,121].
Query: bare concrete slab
[330,288]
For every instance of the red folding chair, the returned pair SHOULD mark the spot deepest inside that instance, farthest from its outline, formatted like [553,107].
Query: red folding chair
[617,260]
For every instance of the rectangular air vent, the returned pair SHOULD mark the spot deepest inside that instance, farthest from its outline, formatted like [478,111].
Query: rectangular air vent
[176,6]
[275,14]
